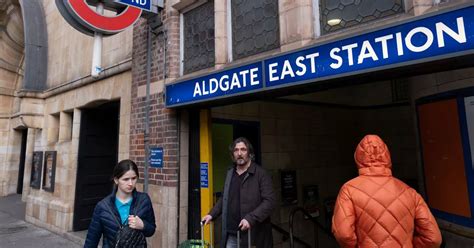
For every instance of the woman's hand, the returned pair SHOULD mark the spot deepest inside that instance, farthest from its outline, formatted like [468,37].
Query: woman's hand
[135,222]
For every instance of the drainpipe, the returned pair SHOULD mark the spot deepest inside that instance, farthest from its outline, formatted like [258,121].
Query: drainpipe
[153,23]
[165,41]
[97,52]
[146,135]
[178,132]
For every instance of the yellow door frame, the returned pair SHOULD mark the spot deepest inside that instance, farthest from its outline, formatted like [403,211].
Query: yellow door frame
[205,147]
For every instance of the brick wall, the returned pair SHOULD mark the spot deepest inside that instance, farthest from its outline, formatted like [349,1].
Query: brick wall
[163,122]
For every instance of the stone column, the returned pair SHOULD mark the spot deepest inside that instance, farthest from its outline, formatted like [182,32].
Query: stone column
[418,7]
[296,23]
[220,33]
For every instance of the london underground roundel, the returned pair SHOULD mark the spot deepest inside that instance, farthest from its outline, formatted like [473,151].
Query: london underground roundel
[85,19]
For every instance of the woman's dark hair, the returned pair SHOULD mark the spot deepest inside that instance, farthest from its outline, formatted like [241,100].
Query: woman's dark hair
[123,166]
[247,144]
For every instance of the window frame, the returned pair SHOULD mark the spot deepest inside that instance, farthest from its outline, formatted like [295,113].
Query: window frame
[181,32]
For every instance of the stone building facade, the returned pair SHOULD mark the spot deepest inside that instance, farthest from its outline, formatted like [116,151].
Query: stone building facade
[51,103]
[47,89]
[311,131]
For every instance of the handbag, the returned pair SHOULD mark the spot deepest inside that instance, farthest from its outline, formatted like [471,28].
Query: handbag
[127,237]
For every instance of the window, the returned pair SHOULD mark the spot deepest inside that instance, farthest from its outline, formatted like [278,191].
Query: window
[339,14]
[255,27]
[198,38]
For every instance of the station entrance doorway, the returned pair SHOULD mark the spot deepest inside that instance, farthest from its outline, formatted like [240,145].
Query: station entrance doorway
[312,137]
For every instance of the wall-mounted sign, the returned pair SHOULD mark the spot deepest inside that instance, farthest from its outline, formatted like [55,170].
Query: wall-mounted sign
[49,170]
[142,4]
[230,82]
[156,157]
[440,35]
[204,175]
[83,17]
[36,169]
[289,188]
[151,6]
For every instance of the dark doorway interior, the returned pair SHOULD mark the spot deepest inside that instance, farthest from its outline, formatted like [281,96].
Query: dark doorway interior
[194,196]
[251,131]
[98,152]
[21,168]
[247,129]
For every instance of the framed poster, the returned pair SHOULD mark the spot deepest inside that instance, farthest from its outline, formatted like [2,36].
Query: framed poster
[289,193]
[36,169]
[49,170]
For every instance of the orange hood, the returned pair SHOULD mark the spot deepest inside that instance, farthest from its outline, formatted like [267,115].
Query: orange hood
[373,157]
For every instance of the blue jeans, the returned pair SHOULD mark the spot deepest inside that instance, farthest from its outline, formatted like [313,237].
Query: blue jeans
[231,241]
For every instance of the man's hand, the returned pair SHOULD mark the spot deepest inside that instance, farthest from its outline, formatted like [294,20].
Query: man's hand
[244,225]
[206,219]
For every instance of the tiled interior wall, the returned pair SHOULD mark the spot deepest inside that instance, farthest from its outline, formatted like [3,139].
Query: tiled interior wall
[318,142]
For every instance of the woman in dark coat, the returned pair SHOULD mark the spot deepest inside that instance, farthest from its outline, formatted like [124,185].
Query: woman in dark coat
[125,204]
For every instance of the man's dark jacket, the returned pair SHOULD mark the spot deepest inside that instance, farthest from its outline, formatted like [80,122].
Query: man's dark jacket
[106,216]
[257,201]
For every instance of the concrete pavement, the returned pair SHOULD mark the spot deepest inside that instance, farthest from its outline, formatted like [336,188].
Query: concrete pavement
[15,232]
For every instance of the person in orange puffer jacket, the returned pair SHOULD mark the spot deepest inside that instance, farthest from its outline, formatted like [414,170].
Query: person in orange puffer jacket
[376,209]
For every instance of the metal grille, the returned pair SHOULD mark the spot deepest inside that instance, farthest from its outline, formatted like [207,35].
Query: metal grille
[255,27]
[338,14]
[199,47]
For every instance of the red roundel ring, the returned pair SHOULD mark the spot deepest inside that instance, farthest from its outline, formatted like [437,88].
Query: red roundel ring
[83,13]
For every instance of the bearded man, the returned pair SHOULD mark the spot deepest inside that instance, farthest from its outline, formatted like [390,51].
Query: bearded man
[248,200]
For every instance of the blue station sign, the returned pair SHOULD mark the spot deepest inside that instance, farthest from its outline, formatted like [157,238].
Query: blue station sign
[141,4]
[441,35]
[156,157]
[225,83]
[204,173]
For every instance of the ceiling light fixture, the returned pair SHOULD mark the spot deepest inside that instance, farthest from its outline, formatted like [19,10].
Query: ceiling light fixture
[333,22]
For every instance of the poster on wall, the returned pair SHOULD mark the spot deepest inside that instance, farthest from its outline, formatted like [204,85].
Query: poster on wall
[156,157]
[49,170]
[36,169]
[469,106]
[289,192]
[204,175]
